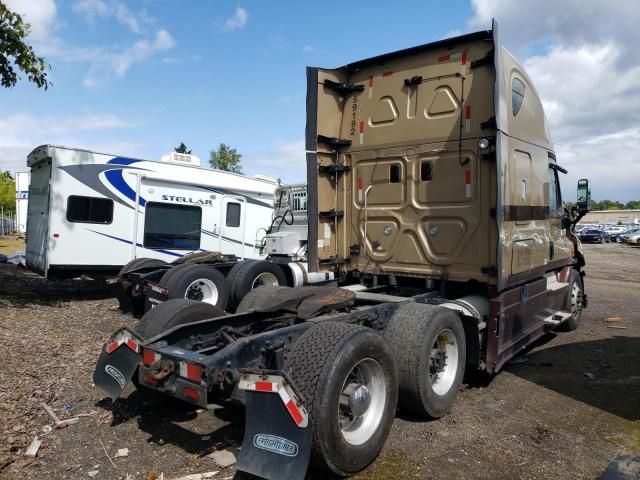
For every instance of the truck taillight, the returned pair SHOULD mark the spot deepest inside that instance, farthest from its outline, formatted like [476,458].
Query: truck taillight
[149,357]
[191,394]
[191,371]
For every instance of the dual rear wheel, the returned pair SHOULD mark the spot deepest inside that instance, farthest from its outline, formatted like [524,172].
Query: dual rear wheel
[352,378]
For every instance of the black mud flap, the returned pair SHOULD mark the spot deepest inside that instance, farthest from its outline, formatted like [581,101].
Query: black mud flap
[274,447]
[118,362]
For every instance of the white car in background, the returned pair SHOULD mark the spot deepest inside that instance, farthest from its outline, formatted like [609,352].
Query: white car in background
[633,239]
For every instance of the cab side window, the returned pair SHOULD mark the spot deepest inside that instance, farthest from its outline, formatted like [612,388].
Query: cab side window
[555,196]
[517,95]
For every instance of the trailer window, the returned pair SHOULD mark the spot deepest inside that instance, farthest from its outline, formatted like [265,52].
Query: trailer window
[517,95]
[89,209]
[233,214]
[172,227]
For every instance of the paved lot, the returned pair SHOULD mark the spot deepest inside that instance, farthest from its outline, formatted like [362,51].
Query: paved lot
[543,418]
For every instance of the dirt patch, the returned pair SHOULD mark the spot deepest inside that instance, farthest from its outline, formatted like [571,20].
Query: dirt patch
[543,418]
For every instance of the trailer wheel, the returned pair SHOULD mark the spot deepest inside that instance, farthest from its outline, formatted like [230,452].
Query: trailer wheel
[174,312]
[197,282]
[126,300]
[348,379]
[256,297]
[254,274]
[576,292]
[429,344]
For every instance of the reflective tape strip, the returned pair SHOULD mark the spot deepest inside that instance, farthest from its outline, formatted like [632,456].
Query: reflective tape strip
[467,118]
[258,384]
[370,86]
[387,74]
[133,345]
[113,346]
[454,57]
[361,133]
[360,194]
[266,387]
[467,181]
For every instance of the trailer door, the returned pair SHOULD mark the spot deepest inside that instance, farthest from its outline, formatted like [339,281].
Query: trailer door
[233,225]
[38,216]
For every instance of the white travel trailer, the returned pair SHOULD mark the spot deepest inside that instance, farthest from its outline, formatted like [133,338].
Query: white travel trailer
[22,200]
[93,212]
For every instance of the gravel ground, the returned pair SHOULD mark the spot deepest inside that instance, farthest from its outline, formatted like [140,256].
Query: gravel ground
[540,418]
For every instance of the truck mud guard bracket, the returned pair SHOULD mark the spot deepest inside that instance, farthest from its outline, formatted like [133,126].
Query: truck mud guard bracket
[277,435]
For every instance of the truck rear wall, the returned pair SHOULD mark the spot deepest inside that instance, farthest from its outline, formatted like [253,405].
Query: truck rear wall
[416,195]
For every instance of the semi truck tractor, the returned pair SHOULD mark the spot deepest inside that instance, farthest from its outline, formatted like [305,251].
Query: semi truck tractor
[435,207]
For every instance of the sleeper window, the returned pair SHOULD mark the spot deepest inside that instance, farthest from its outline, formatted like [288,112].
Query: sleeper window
[517,95]
[172,227]
[89,209]
[233,214]
[426,171]
[394,174]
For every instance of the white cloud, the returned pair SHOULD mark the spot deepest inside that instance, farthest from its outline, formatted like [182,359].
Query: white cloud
[40,14]
[285,160]
[588,77]
[93,10]
[308,49]
[139,51]
[20,133]
[118,62]
[126,18]
[237,20]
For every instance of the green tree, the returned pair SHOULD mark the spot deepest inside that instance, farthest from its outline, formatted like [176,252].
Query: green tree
[182,148]
[632,205]
[15,53]
[7,192]
[225,158]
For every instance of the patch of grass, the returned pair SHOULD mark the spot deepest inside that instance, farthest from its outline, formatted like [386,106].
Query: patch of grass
[9,245]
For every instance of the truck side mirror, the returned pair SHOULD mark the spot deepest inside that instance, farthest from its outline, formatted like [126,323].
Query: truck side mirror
[584,196]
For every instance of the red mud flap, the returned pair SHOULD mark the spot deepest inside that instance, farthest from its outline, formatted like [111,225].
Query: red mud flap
[277,436]
[118,362]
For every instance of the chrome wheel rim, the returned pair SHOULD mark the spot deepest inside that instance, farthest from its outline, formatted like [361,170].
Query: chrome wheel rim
[443,362]
[362,401]
[203,290]
[576,300]
[265,279]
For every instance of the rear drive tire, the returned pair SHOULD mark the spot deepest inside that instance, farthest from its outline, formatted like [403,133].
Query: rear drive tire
[574,302]
[348,378]
[429,345]
[252,274]
[256,297]
[197,282]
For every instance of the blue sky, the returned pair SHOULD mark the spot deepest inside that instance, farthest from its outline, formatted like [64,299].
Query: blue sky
[137,77]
